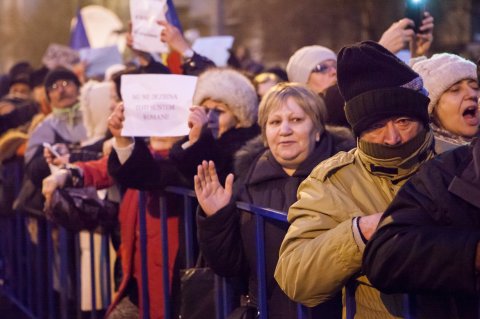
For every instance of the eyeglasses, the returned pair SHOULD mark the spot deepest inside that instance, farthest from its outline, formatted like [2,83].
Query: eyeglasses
[324,67]
[60,84]
[266,76]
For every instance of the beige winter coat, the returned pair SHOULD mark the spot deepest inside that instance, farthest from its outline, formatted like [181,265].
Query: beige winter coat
[319,254]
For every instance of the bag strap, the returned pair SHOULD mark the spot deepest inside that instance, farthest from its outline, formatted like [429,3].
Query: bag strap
[201,262]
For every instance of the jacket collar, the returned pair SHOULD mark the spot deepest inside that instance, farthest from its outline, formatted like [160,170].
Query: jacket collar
[267,168]
[466,184]
[399,169]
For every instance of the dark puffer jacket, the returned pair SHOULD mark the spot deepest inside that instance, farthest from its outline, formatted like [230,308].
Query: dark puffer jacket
[227,239]
[220,150]
[427,240]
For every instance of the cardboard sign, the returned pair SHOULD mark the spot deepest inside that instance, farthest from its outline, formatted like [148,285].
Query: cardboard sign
[60,55]
[215,48]
[157,104]
[98,60]
[145,30]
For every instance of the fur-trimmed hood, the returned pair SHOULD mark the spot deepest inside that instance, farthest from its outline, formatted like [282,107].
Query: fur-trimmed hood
[343,140]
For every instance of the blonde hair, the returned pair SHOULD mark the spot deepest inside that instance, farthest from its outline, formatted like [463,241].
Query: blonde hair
[309,102]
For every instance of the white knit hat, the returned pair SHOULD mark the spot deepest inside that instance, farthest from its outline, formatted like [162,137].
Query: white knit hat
[303,61]
[442,71]
[232,88]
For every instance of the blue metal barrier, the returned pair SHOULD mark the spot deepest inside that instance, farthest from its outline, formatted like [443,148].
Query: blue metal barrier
[36,295]
[40,262]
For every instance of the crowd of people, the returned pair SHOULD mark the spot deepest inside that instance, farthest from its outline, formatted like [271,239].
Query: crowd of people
[376,162]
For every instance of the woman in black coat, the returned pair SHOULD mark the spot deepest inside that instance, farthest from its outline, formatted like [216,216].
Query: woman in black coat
[221,121]
[268,172]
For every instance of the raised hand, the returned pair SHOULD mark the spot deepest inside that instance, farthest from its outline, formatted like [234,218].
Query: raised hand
[424,39]
[173,37]
[197,119]
[51,183]
[210,194]
[395,37]
[115,125]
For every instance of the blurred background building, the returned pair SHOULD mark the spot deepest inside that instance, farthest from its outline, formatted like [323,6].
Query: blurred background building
[271,29]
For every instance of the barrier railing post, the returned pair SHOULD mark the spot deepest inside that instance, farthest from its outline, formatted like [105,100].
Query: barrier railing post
[50,266]
[19,226]
[93,314]
[64,283]
[27,257]
[409,306]
[40,269]
[188,220]
[218,297]
[106,280]
[302,312]
[260,250]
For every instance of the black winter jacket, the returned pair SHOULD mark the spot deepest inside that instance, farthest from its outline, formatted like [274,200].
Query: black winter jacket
[227,239]
[427,239]
[220,150]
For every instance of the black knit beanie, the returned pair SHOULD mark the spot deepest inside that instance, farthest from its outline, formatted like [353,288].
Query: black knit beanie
[377,85]
[60,73]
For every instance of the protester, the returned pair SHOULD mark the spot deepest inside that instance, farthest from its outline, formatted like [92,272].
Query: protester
[268,171]
[340,203]
[63,125]
[452,84]
[428,243]
[315,65]
[264,81]
[97,101]
[21,86]
[221,121]
[401,35]
[225,93]
[193,63]
[128,301]
[241,59]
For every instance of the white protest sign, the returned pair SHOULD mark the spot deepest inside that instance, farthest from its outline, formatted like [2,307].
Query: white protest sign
[60,55]
[157,104]
[145,30]
[215,48]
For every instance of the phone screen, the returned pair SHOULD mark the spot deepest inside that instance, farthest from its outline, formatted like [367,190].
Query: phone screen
[51,149]
[414,10]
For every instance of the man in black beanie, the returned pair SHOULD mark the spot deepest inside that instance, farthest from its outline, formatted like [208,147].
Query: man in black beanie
[340,203]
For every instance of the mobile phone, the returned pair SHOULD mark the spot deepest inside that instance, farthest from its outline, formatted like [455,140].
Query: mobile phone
[415,10]
[51,149]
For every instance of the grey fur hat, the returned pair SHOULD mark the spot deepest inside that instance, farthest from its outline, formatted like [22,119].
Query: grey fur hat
[232,88]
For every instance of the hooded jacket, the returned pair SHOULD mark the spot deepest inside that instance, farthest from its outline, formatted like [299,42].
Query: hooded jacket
[320,253]
[227,239]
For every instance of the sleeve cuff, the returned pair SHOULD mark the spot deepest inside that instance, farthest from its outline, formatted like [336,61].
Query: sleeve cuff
[357,234]
[123,153]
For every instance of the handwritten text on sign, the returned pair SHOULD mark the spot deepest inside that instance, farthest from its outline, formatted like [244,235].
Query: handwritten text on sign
[145,30]
[157,104]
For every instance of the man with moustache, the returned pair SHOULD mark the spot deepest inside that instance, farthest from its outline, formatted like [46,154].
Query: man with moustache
[63,125]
